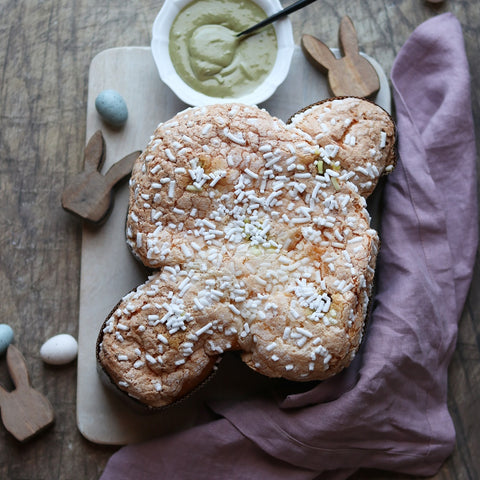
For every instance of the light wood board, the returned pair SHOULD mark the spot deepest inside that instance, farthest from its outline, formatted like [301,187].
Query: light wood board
[108,270]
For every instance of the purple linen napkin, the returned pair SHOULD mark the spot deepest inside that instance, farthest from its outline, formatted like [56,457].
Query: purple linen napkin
[388,410]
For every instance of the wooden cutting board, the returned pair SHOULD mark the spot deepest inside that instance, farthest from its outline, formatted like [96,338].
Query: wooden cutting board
[108,270]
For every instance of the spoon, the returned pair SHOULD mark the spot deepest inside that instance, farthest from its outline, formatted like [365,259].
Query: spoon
[212,47]
[272,18]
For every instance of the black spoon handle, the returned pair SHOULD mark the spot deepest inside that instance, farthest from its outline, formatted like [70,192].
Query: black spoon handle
[287,10]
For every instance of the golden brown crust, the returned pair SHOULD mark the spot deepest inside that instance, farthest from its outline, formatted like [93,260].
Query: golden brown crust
[363,132]
[257,247]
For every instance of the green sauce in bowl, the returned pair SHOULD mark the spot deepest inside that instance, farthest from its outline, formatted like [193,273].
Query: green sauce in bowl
[208,56]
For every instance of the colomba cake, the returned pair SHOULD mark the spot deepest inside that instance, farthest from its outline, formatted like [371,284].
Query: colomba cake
[258,240]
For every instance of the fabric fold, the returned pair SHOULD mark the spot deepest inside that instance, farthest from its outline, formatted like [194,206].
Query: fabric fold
[388,410]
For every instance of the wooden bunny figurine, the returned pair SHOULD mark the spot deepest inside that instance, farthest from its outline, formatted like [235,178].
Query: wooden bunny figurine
[25,411]
[350,74]
[89,195]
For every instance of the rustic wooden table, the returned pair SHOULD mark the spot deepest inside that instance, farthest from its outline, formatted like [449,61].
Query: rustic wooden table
[45,51]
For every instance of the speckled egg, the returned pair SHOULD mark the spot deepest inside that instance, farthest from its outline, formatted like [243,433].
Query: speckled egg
[6,337]
[112,108]
[59,350]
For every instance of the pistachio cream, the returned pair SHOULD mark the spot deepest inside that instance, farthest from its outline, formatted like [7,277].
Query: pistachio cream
[209,57]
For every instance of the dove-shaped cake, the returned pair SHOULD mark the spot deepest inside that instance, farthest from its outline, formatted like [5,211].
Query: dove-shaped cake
[258,239]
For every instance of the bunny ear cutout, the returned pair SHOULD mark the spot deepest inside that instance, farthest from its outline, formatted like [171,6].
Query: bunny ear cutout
[17,368]
[317,53]
[121,169]
[3,394]
[95,152]
[347,36]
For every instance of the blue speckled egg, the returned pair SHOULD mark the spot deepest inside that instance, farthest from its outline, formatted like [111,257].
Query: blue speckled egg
[6,337]
[111,107]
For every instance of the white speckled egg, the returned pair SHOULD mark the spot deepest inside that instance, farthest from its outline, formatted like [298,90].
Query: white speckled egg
[59,350]
[6,337]
[112,108]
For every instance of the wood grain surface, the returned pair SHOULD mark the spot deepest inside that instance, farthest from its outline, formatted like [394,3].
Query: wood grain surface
[45,51]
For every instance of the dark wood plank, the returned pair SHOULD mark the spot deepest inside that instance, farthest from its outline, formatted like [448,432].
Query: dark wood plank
[45,50]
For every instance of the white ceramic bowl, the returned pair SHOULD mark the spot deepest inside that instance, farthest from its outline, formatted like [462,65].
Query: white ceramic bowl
[168,74]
